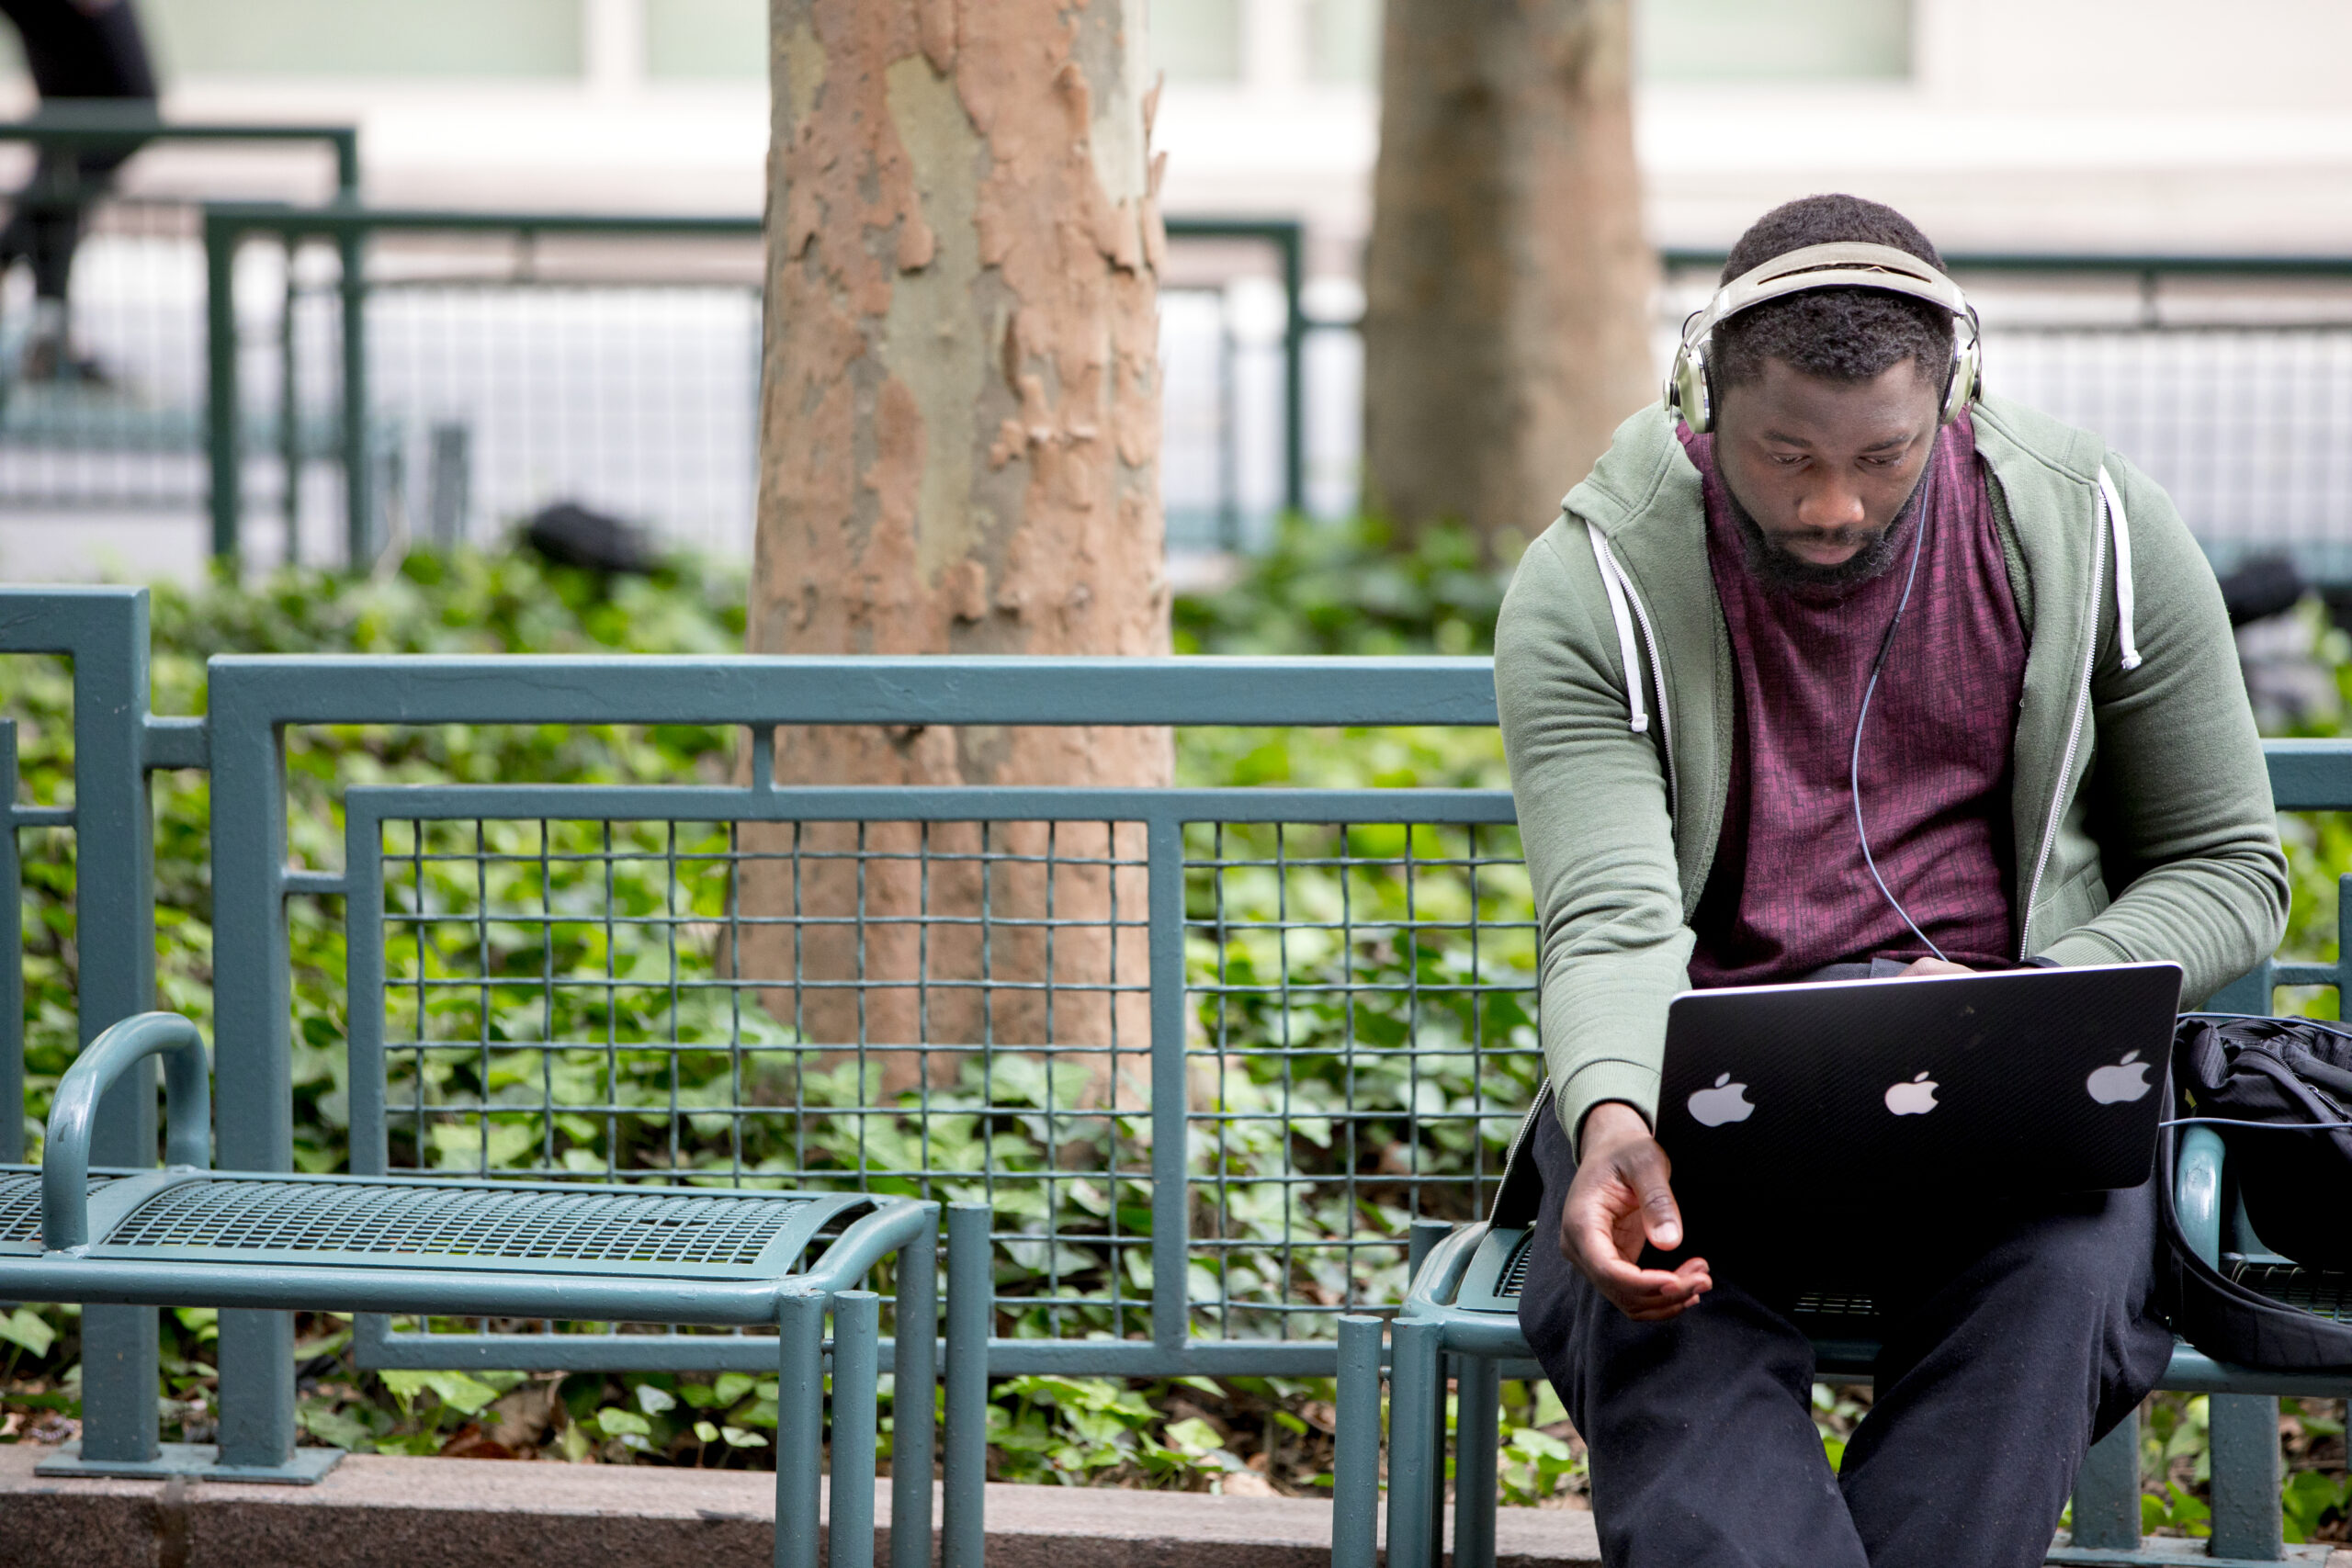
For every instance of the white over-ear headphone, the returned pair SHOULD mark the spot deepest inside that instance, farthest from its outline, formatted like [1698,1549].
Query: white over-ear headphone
[1690,389]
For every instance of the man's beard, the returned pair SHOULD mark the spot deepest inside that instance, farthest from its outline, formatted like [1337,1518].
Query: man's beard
[1781,572]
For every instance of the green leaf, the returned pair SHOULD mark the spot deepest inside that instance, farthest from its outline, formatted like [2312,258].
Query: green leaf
[654,1401]
[615,1422]
[24,1326]
[465,1396]
[1194,1435]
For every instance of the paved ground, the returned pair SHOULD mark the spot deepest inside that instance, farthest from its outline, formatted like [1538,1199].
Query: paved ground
[423,1513]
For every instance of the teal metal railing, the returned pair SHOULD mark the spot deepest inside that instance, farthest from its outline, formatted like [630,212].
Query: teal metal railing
[1220,1059]
[497,376]
[132,442]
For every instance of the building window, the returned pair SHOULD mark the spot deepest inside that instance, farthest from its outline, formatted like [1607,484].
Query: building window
[365,37]
[1343,42]
[705,39]
[1197,41]
[1732,40]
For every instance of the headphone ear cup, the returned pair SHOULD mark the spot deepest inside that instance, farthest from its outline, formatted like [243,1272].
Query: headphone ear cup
[1691,398]
[1959,389]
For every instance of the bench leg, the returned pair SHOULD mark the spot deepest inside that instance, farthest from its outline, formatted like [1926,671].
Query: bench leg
[2245,1430]
[857,1321]
[1477,1386]
[971,1291]
[2107,1491]
[256,1363]
[799,1427]
[1416,1476]
[1356,1459]
[914,1377]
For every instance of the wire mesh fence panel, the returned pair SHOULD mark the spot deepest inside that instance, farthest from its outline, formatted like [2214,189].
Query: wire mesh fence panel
[111,414]
[1362,1008]
[965,1009]
[2248,428]
[957,1010]
[637,399]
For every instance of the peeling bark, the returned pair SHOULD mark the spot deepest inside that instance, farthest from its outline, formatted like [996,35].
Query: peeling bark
[959,450]
[1508,283]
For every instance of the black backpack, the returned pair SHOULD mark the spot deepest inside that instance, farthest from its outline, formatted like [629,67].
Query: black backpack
[2279,1092]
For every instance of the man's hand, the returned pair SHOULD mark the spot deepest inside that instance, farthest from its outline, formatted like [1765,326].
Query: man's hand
[1934,967]
[1619,1200]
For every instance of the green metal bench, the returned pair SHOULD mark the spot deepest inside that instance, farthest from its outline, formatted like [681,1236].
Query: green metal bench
[189,1235]
[1463,1308]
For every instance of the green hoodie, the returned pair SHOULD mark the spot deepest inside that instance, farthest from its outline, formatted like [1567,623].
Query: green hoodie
[2139,804]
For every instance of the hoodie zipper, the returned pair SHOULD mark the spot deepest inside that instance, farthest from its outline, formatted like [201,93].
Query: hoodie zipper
[2073,744]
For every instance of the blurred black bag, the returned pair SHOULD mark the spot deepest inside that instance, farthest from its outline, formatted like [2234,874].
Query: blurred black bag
[2283,1073]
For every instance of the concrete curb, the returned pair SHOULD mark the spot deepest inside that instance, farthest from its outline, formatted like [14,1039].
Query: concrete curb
[433,1513]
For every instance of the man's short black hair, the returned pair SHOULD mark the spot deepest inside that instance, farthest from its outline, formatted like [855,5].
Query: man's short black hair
[1839,335]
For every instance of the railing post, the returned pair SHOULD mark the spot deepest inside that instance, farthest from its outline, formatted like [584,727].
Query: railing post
[358,475]
[1170,1199]
[1477,1387]
[914,1375]
[2244,1429]
[251,1032]
[114,913]
[1293,369]
[12,961]
[1416,1461]
[849,1525]
[2107,1491]
[290,414]
[1355,1457]
[799,1428]
[221,413]
[963,1526]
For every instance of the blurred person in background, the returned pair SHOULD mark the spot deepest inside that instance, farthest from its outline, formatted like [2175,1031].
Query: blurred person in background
[74,49]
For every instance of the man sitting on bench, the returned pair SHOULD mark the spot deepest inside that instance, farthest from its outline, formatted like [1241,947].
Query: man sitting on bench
[1823,524]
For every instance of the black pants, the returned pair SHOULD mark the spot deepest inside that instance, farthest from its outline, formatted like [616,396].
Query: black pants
[2017,1334]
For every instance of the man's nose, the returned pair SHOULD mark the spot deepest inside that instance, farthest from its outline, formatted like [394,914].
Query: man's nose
[1829,507]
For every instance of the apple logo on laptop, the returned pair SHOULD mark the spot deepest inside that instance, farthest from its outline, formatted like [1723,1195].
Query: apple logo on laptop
[1727,1101]
[1914,1098]
[2126,1080]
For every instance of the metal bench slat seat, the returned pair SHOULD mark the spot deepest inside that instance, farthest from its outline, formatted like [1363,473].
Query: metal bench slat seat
[188,1235]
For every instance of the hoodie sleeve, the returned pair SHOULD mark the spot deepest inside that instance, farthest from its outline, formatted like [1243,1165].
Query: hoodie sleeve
[2180,796]
[1596,831]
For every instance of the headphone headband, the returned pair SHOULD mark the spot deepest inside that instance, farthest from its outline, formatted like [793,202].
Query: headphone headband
[1844,264]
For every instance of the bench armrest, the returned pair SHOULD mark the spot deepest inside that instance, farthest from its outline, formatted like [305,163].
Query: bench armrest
[187,1113]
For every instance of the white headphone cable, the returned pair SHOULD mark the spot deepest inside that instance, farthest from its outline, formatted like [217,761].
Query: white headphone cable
[1854,776]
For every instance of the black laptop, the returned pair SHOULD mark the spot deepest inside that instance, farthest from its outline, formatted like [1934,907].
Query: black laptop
[2046,1080]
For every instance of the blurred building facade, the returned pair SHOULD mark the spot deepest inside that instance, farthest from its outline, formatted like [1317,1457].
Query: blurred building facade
[2074,124]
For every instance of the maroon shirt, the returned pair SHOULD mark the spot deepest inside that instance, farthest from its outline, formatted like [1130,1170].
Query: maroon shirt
[1789,892]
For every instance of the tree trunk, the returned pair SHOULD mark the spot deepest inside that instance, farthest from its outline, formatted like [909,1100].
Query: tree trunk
[959,450]
[1507,284]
